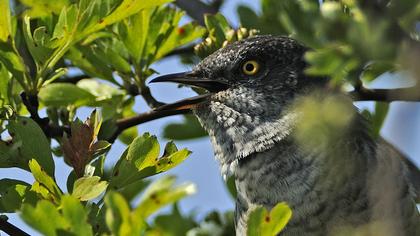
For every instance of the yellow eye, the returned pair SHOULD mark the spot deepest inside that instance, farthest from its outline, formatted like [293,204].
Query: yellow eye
[251,67]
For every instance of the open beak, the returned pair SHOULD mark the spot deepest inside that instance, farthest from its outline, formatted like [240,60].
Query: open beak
[189,78]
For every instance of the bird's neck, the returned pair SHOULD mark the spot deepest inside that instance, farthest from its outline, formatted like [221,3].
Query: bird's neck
[236,135]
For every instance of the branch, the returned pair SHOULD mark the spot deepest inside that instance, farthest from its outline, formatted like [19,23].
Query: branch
[10,229]
[196,8]
[411,94]
[129,122]
[147,95]
[72,79]
[181,51]
[50,130]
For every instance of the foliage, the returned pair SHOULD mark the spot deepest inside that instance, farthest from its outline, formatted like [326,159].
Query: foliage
[112,45]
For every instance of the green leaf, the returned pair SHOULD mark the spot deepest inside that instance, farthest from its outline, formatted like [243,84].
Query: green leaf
[218,25]
[5,21]
[12,62]
[45,180]
[160,193]
[132,190]
[68,219]
[119,218]
[141,160]
[37,43]
[12,194]
[28,142]
[76,216]
[190,128]
[41,8]
[143,151]
[87,188]
[378,117]
[248,17]
[65,94]
[102,92]
[125,9]
[178,37]
[374,70]
[262,222]
[85,59]
[44,218]
[128,135]
[134,32]
[116,61]
[173,224]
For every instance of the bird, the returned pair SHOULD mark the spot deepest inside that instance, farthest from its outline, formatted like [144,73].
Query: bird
[338,179]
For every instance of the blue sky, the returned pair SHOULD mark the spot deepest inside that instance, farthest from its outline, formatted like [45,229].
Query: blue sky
[401,128]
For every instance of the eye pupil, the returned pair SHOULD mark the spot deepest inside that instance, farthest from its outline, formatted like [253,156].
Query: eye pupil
[249,67]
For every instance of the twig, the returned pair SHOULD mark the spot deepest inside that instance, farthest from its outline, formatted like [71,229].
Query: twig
[150,100]
[72,79]
[181,51]
[411,94]
[126,123]
[31,103]
[196,8]
[10,229]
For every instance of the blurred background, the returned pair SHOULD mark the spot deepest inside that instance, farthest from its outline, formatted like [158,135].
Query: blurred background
[401,128]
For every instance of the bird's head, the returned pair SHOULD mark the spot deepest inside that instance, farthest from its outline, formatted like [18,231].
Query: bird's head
[250,84]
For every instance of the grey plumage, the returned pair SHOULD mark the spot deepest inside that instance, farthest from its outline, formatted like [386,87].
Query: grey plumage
[340,185]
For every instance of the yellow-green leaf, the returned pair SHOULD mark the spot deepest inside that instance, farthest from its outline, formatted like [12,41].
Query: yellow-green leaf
[65,94]
[262,222]
[5,21]
[44,179]
[76,216]
[44,217]
[160,193]
[87,188]
[125,9]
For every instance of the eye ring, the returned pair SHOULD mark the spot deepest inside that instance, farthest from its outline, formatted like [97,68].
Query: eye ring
[250,67]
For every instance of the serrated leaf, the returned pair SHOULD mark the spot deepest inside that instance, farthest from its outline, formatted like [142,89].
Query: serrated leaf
[44,179]
[44,218]
[29,141]
[12,194]
[143,151]
[76,216]
[38,49]
[160,193]
[87,188]
[65,94]
[262,222]
[218,25]
[134,32]
[141,160]
[118,216]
